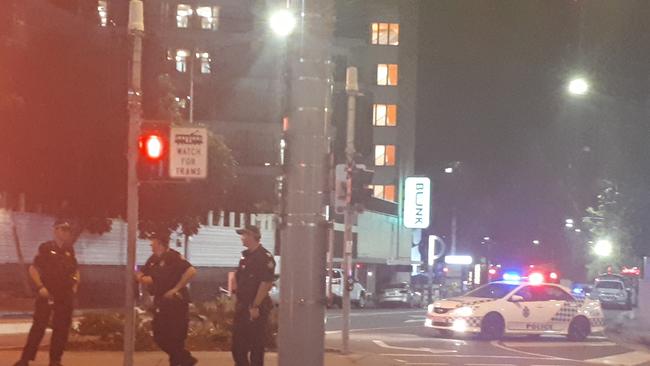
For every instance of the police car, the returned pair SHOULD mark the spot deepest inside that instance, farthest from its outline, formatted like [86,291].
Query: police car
[507,307]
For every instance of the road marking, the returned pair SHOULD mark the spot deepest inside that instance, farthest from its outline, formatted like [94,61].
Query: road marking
[558,344]
[623,359]
[473,356]
[382,344]
[415,320]
[338,316]
[365,329]
[498,345]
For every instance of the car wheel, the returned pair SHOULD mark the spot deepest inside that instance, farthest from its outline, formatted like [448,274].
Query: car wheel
[579,329]
[492,327]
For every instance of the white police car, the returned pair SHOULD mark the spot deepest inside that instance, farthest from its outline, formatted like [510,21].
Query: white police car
[506,307]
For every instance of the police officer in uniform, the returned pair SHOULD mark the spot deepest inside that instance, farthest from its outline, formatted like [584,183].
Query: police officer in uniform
[254,279]
[167,274]
[56,277]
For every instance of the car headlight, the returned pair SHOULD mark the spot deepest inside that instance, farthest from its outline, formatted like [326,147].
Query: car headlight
[430,308]
[464,311]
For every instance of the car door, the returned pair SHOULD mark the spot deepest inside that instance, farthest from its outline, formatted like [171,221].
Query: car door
[533,312]
[565,307]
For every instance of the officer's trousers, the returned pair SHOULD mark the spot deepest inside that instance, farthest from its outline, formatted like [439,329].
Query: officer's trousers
[170,324]
[61,311]
[248,338]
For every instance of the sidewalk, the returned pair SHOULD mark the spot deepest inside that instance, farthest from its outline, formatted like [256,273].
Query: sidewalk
[632,329]
[159,359]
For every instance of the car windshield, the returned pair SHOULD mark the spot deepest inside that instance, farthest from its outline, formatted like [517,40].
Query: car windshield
[493,290]
[609,284]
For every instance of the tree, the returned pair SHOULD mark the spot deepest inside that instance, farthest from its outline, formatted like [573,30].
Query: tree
[609,219]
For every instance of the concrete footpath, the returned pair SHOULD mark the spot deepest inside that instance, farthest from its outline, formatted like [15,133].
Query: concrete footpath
[7,358]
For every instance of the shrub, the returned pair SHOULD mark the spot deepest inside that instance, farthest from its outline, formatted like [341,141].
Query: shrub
[210,328]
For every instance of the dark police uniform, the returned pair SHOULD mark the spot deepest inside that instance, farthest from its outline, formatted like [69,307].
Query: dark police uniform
[171,316]
[57,267]
[249,336]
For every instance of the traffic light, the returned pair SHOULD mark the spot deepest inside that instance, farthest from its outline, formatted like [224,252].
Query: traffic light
[153,144]
[361,192]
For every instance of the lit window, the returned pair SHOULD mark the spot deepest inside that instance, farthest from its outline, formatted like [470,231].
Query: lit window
[209,16]
[385,34]
[204,62]
[183,14]
[384,115]
[182,102]
[384,192]
[384,155]
[102,11]
[387,74]
[181,60]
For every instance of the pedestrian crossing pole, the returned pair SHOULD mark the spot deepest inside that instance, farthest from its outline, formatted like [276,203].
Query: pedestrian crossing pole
[136,29]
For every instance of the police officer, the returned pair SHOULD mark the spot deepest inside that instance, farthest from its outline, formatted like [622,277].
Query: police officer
[56,276]
[254,279]
[167,274]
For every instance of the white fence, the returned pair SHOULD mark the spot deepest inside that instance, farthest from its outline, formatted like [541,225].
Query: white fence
[216,245]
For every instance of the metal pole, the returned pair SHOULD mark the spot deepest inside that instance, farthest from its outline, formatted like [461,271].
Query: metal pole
[302,299]
[136,27]
[331,232]
[192,62]
[454,230]
[349,215]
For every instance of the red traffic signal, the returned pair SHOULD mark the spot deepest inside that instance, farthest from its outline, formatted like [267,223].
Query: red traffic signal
[152,146]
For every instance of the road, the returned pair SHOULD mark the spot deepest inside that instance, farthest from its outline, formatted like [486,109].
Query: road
[398,336]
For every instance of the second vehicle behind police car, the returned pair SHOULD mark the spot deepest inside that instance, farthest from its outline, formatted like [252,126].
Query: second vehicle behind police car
[508,307]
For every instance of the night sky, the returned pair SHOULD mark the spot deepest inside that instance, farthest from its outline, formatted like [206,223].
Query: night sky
[492,96]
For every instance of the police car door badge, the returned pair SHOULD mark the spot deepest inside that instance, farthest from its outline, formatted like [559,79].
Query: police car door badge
[526,312]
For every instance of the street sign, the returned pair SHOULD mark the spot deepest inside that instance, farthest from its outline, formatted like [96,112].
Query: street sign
[417,205]
[188,155]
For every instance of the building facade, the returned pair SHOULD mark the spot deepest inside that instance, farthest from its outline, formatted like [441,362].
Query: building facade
[227,71]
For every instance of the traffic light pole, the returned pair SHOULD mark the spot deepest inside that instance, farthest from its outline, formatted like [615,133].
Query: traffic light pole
[352,89]
[136,28]
[302,299]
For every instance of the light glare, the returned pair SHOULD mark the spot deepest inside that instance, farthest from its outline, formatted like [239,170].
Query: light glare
[603,248]
[578,86]
[283,22]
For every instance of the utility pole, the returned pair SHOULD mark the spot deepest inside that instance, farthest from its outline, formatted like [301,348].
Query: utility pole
[352,89]
[136,28]
[302,299]
[454,229]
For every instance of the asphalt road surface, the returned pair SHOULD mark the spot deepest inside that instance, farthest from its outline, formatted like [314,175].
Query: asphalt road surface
[399,337]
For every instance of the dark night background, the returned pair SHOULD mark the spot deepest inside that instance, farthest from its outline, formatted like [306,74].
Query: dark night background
[492,86]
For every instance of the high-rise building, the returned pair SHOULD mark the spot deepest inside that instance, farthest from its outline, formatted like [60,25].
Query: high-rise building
[228,73]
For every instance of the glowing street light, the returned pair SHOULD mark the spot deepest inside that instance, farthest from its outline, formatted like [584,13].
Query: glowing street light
[536,242]
[603,248]
[578,87]
[283,22]
[569,223]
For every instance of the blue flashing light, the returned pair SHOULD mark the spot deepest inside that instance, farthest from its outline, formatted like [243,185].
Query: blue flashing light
[578,290]
[511,276]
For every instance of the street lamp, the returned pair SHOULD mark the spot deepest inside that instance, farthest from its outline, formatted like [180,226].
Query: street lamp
[282,22]
[536,242]
[578,86]
[569,223]
[603,248]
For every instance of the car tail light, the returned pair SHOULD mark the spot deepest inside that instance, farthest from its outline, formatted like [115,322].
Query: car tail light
[553,276]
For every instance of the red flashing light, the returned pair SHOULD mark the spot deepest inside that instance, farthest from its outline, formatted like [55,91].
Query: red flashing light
[359,265]
[553,276]
[152,146]
[633,271]
[492,271]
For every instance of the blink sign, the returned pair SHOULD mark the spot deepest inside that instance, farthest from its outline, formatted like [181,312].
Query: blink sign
[417,202]
[188,155]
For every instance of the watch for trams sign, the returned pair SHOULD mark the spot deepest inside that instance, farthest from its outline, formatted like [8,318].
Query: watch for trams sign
[188,155]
